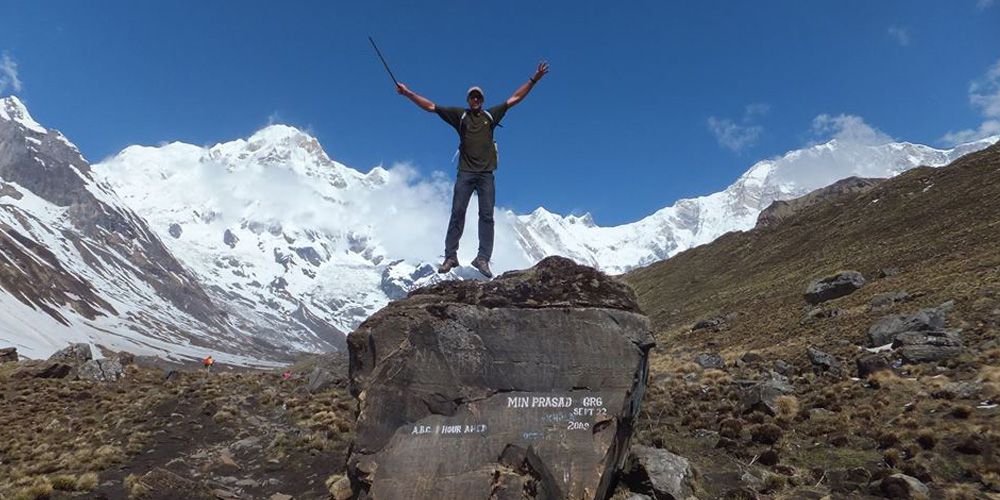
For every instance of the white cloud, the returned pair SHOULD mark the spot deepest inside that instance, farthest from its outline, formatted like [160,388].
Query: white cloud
[850,129]
[738,135]
[853,154]
[986,129]
[8,74]
[900,35]
[983,4]
[984,95]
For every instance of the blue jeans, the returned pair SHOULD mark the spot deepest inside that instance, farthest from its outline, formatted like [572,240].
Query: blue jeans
[465,184]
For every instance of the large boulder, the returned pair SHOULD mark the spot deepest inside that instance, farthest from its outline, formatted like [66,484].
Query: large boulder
[884,331]
[101,370]
[763,395]
[525,385]
[658,473]
[832,287]
[73,354]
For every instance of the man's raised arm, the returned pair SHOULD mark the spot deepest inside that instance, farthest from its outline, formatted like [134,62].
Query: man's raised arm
[417,99]
[522,91]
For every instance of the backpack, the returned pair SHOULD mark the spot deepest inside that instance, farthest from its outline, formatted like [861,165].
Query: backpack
[461,121]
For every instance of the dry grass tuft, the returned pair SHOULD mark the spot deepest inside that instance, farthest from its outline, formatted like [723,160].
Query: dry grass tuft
[786,407]
[134,487]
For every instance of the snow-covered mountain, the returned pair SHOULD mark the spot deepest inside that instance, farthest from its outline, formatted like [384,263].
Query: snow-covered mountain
[273,228]
[256,247]
[696,221]
[79,266]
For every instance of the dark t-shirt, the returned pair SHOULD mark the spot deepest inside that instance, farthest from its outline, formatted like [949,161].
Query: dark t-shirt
[476,151]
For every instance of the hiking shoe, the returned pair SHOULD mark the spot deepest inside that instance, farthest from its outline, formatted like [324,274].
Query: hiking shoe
[448,264]
[483,266]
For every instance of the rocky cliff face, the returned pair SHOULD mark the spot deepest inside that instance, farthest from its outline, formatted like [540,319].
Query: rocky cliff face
[780,210]
[526,385]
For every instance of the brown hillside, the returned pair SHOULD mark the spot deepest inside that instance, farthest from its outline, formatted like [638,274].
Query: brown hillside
[940,228]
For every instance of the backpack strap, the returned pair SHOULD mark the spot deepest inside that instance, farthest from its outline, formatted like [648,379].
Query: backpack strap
[461,121]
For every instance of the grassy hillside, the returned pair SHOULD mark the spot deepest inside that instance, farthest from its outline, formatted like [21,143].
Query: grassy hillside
[940,228]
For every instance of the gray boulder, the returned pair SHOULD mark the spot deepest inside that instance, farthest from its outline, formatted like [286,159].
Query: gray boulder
[321,378]
[716,324]
[763,395]
[818,313]
[884,330]
[105,370]
[710,360]
[658,473]
[525,385]
[74,354]
[832,287]
[8,355]
[928,346]
[822,361]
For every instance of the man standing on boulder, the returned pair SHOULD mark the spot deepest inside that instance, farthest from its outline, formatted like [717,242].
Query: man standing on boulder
[477,159]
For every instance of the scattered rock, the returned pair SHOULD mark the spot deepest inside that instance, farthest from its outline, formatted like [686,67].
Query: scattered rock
[822,361]
[175,230]
[784,368]
[162,483]
[749,358]
[848,480]
[8,355]
[762,396]
[246,444]
[106,369]
[871,363]
[710,361]
[928,346]
[886,272]
[483,371]
[903,486]
[320,379]
[817,313]
[883,300]
[716,324]
[659,473]
[832,287]
[884,330]
[42,369]
[74,354]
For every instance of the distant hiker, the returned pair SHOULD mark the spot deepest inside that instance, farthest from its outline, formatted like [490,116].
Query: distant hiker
[207,363]
[477,159]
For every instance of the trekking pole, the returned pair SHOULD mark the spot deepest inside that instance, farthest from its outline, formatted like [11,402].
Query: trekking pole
[383,60]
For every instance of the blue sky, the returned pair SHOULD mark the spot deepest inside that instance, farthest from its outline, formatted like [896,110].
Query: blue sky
[647,102]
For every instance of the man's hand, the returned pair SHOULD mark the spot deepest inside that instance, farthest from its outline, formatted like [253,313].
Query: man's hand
[522,91]
[543,68]
[417,99]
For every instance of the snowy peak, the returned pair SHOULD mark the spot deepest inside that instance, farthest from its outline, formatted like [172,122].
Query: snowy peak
[12,109]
